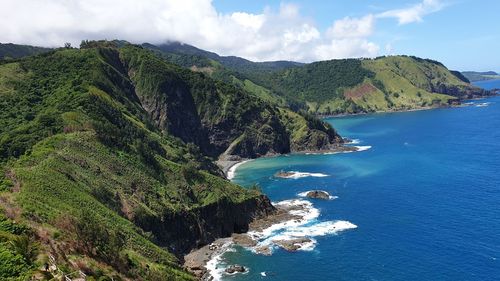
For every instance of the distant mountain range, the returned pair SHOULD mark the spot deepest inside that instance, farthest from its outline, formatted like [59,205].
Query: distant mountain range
[474,76]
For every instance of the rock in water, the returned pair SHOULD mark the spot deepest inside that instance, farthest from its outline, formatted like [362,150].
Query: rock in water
[284,175]
[292,245]
[235,269]
[318,194]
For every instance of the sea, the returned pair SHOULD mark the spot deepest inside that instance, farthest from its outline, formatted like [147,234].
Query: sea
[421,201]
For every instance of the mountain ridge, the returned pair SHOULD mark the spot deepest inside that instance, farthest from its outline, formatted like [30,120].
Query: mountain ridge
[401,82]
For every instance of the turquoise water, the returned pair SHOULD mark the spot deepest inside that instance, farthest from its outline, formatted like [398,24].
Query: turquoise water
[425,198]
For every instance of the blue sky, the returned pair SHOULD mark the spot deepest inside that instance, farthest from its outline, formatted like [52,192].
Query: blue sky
[464,34]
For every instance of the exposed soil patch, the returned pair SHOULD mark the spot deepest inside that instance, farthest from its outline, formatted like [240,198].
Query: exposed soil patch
[360,91]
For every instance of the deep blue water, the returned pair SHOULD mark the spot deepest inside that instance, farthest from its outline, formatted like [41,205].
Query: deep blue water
[425,198]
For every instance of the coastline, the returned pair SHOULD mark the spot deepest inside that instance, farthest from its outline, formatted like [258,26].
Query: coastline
[384,112]
[229,167]
[497,93]
[204,262]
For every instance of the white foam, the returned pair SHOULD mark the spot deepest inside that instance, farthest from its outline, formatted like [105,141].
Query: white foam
[232,171]
[306,226]
[213,265]
[320,229]
[297,175]
[355,141]
[363,148]
[304,194]
[483,104]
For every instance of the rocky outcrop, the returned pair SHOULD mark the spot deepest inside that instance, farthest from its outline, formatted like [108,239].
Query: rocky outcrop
[294,244]
[461,92]
[235,268]
[183,231]
[318,194]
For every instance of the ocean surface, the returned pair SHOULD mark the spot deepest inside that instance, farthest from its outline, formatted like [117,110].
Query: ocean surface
[425,199]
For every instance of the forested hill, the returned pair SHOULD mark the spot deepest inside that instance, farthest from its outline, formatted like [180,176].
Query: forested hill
[337,86]
[107,162]
[15,51]
[481,76]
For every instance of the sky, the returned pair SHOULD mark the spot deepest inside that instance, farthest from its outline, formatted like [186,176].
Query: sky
[463,34]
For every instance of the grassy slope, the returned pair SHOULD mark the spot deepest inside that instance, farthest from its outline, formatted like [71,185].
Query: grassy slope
[406,85]
[337,86]
[351,86]
[75,144]
[217,70]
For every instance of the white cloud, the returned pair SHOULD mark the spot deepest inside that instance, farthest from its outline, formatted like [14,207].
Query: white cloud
[270,35]
[414,13]
[352,27]
[248,20]
[347,48]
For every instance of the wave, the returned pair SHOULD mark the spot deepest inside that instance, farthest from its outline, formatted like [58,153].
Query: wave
[232,171]
[213,266]
[483,104]
[305,226]
[304,194]
[297,175]
[355,141]
[300,231]
[363,148]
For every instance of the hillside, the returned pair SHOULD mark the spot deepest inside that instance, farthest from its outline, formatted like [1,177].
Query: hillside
[336,86]
[107,157]
[15,51]
[475,76]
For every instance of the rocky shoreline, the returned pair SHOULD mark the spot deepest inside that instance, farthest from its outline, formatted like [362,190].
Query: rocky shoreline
[203,260]
[197,261]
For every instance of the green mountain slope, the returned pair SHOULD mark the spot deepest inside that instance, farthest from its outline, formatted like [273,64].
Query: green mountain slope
[481,76]
[371,85]
[107,158]
[339,86]
[226,69]
[15,51]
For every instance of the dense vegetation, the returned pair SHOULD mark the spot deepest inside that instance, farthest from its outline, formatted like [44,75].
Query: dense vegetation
[14,51]
[480,76]
[107,162]
[337,86]
[319,81]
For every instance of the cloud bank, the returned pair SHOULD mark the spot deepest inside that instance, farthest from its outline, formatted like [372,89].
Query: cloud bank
[273,34]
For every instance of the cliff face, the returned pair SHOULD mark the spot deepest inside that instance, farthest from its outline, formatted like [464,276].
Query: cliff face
[183,231]
[461,92]
[217,117]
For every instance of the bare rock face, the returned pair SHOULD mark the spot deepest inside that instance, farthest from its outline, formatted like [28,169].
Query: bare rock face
[292,245]
[235,269]
[284,175]
[318,194]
